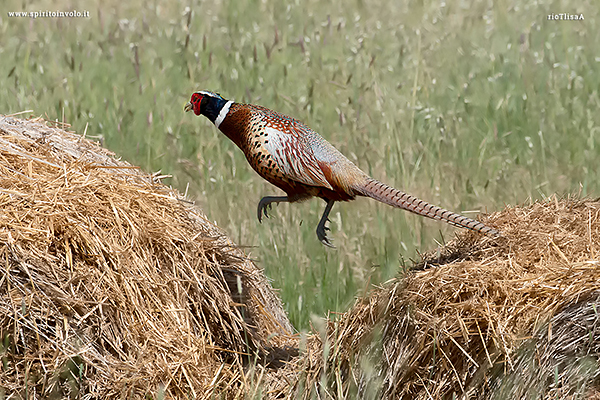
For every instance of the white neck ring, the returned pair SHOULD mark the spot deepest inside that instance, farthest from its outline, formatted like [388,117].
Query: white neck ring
[223,113]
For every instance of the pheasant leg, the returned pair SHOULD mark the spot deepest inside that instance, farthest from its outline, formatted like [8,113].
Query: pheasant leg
[322,229]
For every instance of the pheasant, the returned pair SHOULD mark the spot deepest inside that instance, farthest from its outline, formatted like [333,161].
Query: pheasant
[293,157]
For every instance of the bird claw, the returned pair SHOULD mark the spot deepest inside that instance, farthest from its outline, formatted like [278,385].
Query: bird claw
[326,241]
[262,211]
[322,235]
[266,204]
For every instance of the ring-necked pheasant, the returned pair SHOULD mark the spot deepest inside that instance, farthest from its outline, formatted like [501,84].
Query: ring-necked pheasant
[299,161]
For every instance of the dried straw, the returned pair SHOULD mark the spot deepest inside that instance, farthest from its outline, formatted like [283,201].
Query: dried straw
[112,285]
[510,318]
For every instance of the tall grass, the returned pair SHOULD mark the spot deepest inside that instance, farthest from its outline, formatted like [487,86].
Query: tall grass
[469,105]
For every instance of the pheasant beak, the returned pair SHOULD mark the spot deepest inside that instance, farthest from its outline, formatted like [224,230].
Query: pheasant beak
[188,106]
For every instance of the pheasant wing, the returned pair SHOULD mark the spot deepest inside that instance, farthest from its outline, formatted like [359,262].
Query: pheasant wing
[294,156]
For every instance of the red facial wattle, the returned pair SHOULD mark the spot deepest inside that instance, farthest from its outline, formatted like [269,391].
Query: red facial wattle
[196,100]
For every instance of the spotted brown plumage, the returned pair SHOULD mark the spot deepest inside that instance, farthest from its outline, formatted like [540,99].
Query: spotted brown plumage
[299,161]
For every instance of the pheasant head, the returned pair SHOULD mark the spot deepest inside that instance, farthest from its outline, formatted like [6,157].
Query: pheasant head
[210,104]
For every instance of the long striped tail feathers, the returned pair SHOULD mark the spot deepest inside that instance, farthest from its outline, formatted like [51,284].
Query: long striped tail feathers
[396,198]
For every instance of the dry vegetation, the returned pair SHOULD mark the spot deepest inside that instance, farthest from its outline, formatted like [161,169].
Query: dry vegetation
[113,286]
[512,318]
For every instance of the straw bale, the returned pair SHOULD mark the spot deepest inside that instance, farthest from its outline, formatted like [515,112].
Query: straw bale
[113,286]
[515,317]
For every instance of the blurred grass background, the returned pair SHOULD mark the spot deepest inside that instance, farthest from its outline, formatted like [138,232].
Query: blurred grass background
[469,105]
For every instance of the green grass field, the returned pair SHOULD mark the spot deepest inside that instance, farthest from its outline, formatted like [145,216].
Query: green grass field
[465,105]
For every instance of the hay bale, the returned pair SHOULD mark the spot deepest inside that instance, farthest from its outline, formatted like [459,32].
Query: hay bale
[515,317]
[560,361]
[112,285]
